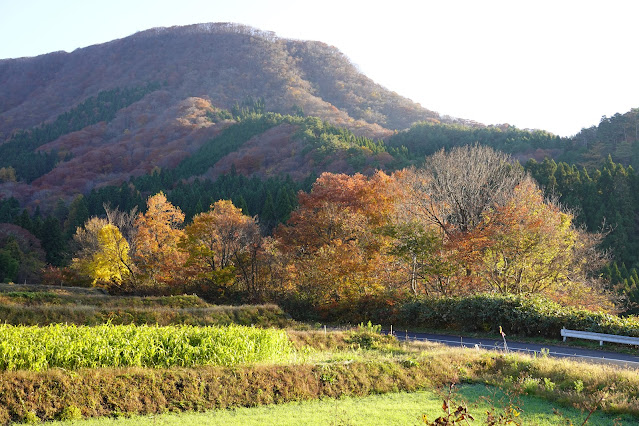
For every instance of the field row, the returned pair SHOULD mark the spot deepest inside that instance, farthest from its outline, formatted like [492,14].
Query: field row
[72,347]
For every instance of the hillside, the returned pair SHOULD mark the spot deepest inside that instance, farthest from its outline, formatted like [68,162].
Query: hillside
[84,131]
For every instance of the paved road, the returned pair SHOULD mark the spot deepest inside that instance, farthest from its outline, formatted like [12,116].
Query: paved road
[595,356]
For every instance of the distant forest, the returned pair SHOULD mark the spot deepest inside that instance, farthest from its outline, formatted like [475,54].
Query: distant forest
[592,174]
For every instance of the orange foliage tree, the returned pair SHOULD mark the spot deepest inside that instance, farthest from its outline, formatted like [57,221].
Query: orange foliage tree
[532,246]
[494,231]
[158,236]
[336,252]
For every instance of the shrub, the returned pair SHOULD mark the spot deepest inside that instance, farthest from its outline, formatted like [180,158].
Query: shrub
[522,315]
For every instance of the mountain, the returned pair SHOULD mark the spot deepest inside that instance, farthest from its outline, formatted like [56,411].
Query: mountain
[203,100]
[70,122]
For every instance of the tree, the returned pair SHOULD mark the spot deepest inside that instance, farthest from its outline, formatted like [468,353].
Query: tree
[225,248]
[156,242]
[22,255]
[78,214]
[335,248]
[496,231]
[529,245]
[453,190]
[421,249]
[208,256]
[110,264]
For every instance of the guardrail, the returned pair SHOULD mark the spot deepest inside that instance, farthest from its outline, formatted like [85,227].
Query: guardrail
[613,338]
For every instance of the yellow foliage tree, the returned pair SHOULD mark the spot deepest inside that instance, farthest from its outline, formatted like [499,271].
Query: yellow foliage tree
[109,264]
[103,253]
[224,247]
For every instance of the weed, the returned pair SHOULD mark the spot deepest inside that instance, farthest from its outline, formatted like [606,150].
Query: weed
[455,416]
[369,328]
[410,363]
[31,418]
[529,385]
[71,412]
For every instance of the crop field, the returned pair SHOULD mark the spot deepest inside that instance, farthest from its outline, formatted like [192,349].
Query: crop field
[72,347]
[64,371]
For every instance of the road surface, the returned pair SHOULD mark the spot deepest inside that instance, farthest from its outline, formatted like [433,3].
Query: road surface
[589,355]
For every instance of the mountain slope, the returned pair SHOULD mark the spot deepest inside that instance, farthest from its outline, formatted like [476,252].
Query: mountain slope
[222,62]
[79,135]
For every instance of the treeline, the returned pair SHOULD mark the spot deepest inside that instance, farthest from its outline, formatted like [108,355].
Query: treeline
[355,240]
[425,138]
[271,199]
[18,152]
[605,199]
[617,136]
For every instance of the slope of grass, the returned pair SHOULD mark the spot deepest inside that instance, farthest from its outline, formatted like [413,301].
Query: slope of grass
[389,409]
[335,365]
[44,305]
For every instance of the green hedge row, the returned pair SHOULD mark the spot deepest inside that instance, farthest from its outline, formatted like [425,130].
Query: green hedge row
[520,315]
[523,315]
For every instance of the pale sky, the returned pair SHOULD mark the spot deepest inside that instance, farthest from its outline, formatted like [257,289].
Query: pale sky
[555,65]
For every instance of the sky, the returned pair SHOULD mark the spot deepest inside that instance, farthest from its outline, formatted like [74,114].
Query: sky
[555,65]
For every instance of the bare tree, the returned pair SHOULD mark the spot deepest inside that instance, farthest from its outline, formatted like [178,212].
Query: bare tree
[86,238]
[454,189]
[124,221]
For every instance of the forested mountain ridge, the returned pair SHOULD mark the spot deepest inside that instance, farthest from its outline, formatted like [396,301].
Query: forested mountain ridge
[222,62]
[68,121]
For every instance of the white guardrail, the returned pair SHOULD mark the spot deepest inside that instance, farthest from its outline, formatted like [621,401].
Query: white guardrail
[599,336]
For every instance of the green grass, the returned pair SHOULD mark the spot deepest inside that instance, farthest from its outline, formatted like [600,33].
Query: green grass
[388,409]
[73,347]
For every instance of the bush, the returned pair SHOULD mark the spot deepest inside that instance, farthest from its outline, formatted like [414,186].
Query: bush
[522,315]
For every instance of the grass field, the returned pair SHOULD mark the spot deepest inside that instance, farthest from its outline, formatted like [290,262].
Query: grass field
[389,409]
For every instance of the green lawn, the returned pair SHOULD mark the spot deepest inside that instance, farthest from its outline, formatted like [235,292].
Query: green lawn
[388,409]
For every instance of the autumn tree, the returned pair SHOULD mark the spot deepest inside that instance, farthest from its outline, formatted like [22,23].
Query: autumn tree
[337,253]
[498,233]
[209,255]
[110,262]
[102,253]
[225,248]
[87,244]
[157,254]
[529,243]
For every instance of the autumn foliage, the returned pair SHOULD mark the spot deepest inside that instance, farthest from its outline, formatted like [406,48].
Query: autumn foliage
[335,250]
[158,256]
[357,240]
